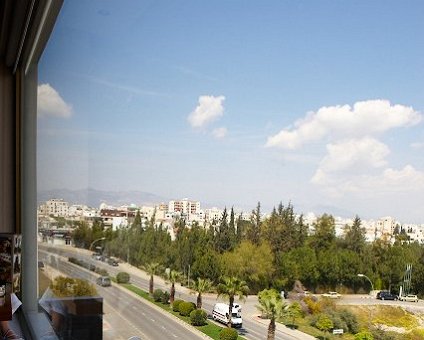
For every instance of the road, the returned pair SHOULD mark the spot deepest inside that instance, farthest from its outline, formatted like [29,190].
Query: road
[253,327]
[125,315]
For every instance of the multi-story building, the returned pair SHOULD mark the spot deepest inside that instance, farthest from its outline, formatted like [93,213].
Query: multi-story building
[55,207]
[116,218]
[184,206]
[213,214]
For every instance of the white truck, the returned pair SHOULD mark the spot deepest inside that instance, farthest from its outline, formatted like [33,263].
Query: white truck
[220,313]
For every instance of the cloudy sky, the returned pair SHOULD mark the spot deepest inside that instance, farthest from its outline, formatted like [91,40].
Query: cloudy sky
[233,102]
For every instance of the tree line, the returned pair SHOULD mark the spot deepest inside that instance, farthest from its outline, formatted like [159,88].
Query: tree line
[271,252]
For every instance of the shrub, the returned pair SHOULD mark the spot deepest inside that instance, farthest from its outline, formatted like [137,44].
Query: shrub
[198,317]
[123,277]
[350,320]
[176,305]
[165,298]
[228,334]
[186,308]
[364,335]
[157,295]
[324,323]
[313,306]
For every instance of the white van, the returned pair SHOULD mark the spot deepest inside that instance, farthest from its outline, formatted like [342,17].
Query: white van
[220,313]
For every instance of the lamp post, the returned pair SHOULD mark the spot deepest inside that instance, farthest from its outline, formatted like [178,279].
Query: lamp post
[92,243]
[363,275]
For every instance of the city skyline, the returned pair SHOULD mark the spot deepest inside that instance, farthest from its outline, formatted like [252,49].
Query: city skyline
[317,104]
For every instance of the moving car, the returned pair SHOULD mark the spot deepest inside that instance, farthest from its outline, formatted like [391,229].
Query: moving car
[385,295]
[332,295]
[409,298]
[104,281]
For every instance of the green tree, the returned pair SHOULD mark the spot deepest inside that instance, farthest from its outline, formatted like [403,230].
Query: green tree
[250,262]
[230,288]
[223,237]
[152,269]
[137,221]
[324,324]
[272,307]
[300,264]
[293,312]
[254,229]
[201,286]
[325,232]
[354,237]
[172,278]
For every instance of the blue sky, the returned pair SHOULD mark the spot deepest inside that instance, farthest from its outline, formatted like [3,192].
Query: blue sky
[235,102]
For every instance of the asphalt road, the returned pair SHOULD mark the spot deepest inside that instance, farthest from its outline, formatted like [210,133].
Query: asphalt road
[125,315]
[253,328]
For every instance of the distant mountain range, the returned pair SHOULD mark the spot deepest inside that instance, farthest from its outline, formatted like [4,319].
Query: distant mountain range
[94,198]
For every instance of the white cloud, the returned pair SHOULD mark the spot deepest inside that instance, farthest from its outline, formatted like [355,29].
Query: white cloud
[364,118]
[50,103]
[390,181]
[220,133]
[209,109]
[358,153]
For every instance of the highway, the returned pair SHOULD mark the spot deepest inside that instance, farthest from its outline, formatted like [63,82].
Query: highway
[125,315]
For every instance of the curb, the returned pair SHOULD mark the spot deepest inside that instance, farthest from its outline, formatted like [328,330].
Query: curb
[147,302]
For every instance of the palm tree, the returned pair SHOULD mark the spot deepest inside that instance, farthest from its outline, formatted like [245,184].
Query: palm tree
[173,277]
[272,307]
[152,269]
[232,287]
[200,286]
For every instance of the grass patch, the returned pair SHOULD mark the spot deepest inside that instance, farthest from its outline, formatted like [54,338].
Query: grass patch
[385,315]
[305,327]
[373,315]
[209,329]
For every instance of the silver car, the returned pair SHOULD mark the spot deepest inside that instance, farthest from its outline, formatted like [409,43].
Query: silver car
[409,298]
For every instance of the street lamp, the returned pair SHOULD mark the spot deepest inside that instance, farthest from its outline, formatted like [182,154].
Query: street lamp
[363,275]
[92,243]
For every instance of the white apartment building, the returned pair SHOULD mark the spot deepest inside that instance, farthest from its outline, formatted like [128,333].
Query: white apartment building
[213,214]
[56,207]
[184,206]
[415,232]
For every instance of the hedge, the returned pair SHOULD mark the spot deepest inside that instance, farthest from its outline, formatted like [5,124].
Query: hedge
[176,305]
[186,308]
[228,334]
[198,317]
[123,277]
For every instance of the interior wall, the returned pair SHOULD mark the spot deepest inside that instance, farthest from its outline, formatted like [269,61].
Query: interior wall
[7,150]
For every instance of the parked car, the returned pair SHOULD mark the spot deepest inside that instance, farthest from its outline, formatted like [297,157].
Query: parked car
[409,298]
[104,281]
[385,295]
[332,295]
